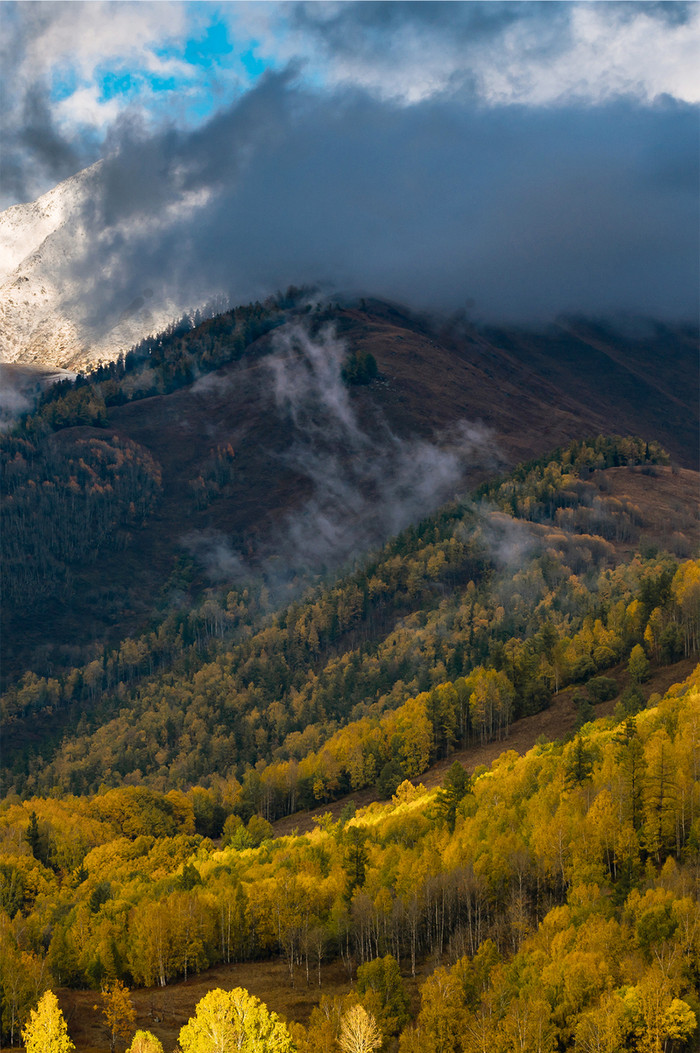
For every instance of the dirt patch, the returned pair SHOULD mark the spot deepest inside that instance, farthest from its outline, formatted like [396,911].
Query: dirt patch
[668,503]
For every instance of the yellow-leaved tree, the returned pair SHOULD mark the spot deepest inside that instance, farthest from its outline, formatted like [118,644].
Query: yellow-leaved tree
[359,1032]
[118,1011]
[226,1020]
[46,1031]
[145,1042]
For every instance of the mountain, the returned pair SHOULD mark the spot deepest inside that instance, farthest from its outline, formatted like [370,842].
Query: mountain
[229,595]
[44,320]
[254,449]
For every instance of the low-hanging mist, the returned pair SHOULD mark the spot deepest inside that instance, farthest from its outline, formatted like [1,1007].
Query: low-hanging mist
[364,483]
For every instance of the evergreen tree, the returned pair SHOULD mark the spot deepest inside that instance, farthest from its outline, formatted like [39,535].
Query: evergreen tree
[579,763]
[455,788]
[632,764]
[33,836]
[356,858]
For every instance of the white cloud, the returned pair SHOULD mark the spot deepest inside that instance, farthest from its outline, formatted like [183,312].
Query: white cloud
[88,35]
[610,54]
[86,107]
[535,55]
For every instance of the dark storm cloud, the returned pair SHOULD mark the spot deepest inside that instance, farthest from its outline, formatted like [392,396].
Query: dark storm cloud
[354,26]
[366,25]
[499,51]
[39,136]
[523,212]
[370,27]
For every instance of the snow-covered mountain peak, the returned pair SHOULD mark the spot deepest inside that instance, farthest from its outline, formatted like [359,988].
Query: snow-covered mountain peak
[23,228]
[43,310]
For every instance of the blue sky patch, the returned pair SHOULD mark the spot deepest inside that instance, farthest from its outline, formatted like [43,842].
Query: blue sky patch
[114,84]
[207,50]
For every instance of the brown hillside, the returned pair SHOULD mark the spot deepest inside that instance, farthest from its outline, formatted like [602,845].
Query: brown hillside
[527,393]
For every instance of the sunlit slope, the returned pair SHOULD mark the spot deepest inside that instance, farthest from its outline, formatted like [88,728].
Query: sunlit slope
[555,887]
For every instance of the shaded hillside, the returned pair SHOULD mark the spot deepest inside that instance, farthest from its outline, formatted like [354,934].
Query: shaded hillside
[273,460]
[536,389]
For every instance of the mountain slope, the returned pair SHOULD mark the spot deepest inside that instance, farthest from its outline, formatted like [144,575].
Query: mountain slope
[273,461]
[536,388]
[440,600]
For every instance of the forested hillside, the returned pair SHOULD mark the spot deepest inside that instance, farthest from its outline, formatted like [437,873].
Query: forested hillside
[527,606]
[555,894]
[326,599]
[273,424]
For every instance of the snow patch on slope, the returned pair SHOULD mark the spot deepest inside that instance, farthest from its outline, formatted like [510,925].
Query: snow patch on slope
[44,319]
